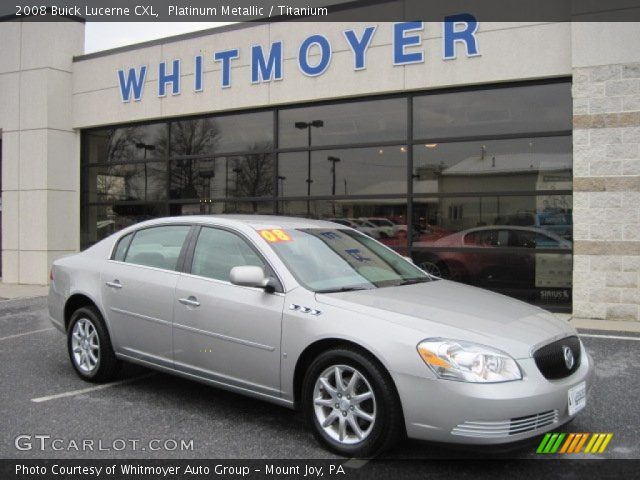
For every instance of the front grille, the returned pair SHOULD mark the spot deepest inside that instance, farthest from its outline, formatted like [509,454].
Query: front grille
[550,359]
[504,428]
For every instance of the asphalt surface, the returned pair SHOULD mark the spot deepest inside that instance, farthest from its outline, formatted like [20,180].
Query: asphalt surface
[155,406]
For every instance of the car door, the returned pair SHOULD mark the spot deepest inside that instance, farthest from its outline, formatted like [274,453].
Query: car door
[225,332]
[138,286]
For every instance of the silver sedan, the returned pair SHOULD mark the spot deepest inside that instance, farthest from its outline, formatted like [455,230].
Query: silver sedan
[314,315]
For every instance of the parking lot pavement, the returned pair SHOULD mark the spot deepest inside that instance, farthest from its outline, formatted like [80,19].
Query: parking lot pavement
[144,406]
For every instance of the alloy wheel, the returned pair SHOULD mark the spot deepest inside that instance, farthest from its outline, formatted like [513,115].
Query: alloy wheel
[344,404]
[85,345]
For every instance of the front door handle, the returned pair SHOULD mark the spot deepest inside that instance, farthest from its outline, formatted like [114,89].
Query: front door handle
[114,284]
[191,301]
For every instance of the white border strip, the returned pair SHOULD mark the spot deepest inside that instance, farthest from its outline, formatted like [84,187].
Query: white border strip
[73,393]
[17,335]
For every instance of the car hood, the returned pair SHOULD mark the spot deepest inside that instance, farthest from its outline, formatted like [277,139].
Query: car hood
[452,310]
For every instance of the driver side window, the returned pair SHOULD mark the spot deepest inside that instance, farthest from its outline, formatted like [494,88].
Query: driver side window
[218,251]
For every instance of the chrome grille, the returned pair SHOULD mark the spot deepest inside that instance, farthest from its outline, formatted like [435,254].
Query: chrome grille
[504,428]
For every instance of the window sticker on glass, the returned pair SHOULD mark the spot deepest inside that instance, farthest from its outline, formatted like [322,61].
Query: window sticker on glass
[275,235]
[355,253]
[330,235]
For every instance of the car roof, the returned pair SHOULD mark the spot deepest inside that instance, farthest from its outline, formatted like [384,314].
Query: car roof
[256,222]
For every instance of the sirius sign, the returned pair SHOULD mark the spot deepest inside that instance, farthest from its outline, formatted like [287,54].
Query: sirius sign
[313,57]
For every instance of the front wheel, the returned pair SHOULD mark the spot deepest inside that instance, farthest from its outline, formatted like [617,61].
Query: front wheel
[89,346]
[351,404]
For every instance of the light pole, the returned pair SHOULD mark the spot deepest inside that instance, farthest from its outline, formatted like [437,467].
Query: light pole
[237,171]
[146,148]
[281,180]
[302,126]
[333,161]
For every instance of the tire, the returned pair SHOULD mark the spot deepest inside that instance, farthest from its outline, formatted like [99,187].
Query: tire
[89,346]
[321,402]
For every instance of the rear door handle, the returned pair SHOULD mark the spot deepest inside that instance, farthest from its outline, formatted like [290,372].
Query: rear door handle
[191,301]
[114,284]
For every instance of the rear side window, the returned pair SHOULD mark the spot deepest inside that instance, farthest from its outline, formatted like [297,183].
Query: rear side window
[158,246]
[121,249]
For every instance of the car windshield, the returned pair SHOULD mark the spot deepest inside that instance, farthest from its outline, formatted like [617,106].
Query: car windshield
[334,260]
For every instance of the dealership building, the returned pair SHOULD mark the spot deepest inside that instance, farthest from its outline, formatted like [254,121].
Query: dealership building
[504,155]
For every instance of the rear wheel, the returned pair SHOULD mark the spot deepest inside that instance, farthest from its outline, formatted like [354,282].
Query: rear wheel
[89,346]
[351,404]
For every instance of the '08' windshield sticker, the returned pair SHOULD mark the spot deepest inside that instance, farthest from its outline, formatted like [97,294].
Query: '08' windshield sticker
[275,235]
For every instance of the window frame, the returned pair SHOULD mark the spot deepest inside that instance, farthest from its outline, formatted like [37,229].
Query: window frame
[191,248]
[134,232]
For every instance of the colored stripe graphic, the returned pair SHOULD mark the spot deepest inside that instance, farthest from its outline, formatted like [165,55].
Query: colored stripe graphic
[608,438]
[567,443]
[582,441]
[573,443]
[543,443]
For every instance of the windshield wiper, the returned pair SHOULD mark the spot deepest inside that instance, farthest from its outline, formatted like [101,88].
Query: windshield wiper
[342,289]
[411,281]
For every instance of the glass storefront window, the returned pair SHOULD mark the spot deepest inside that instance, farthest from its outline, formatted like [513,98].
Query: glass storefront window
[521,164]
[230,133]
[355,171]
[125,144]
[344,123]
[491,177]
[531,108]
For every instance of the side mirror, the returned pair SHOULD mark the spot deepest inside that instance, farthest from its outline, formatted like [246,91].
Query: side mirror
[250,276]
[409,259]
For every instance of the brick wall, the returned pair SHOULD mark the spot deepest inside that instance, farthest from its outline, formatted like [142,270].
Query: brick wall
[606,202]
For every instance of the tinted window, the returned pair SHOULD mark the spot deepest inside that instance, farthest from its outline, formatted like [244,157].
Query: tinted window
[121,249]
[354,171]
[126,144]
[354,122]
[218,251]
[158,246]
[536,108]
[230,133]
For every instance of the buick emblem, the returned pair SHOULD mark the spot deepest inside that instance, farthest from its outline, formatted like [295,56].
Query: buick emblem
[568,357]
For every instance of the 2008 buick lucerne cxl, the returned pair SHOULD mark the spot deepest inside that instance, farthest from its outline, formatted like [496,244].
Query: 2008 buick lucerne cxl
[315,315]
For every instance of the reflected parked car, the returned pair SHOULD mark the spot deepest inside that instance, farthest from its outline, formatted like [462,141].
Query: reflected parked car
[488,261]
[389,228]
[357,225]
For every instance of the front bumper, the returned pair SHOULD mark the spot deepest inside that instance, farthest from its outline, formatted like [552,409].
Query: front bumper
[472,413]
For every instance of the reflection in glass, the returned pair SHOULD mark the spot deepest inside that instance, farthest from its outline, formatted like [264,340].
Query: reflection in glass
[221,177]
[354,171]
[224,134]
[499,243]
[125,144]
[99,221]
[126,182]
[523,164]
[525,109]
[345,123]
[382,219]
[216,207]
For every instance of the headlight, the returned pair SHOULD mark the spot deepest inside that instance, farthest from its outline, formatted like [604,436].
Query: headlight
[468,362]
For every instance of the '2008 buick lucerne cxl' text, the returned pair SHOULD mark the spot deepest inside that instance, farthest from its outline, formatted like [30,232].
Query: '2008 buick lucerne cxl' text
[311,314]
